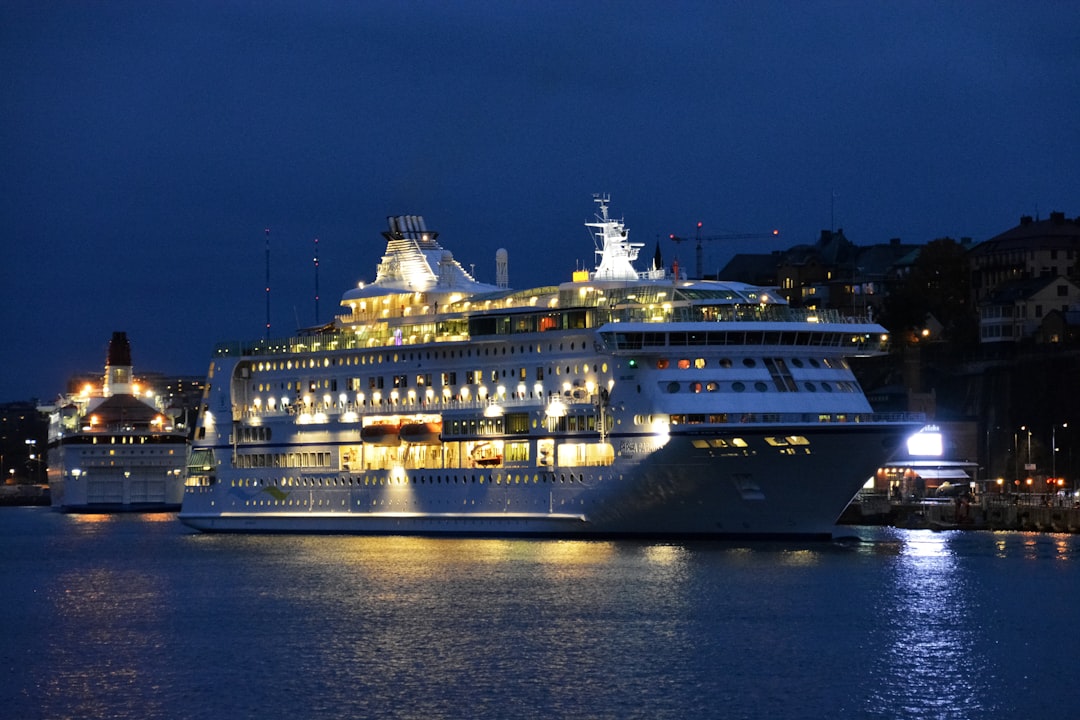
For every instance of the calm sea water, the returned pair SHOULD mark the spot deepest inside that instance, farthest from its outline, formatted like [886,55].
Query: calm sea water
[136,617]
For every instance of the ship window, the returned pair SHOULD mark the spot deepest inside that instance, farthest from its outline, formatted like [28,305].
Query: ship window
[797,362]
[662,364]
[811,387]
[749,362]
[826,387]
[699,363]
[684,364]
[738,386]
[761,387]
[673,387]
[712,386]
[725,362]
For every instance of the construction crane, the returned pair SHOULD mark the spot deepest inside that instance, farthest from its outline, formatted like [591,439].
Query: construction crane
[699,238]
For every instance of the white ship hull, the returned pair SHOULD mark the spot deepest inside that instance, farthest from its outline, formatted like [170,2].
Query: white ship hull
[111,478]
[677,490]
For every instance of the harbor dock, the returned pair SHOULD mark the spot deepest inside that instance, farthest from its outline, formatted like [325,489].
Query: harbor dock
[1025,512]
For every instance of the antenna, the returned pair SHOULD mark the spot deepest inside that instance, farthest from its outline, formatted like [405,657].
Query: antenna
[316,281]
[267,283]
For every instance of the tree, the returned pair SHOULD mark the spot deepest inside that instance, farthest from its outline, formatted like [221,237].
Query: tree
[939,286]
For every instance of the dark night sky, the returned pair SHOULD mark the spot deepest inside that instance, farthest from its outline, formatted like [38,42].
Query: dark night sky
[145,146]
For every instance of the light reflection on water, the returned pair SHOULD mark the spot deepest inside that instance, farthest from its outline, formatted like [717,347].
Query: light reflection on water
[931,665]
[130,618]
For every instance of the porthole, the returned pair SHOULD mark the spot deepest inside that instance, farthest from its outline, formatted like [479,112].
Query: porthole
[695,387]
[738,386]
[712,386]
[826,387]
[810,386]
[761,387]
[725,362]
[797,362]
[749,362]
[673,387]
[813,363]
[662,364]
[699,363]
[684,364]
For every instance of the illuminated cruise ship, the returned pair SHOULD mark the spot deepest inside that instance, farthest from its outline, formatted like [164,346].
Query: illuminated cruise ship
[617,403]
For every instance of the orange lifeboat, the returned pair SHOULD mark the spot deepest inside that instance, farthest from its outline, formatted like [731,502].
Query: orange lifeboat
[421,433]
[381,434]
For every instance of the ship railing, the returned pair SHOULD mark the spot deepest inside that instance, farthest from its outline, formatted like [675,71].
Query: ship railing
[418,405]
[890,418]
[122,429]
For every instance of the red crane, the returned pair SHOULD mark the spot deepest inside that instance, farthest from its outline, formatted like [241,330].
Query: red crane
[732,236]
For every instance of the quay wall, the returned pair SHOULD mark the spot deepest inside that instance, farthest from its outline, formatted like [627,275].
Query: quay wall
[20,495]
[988,512]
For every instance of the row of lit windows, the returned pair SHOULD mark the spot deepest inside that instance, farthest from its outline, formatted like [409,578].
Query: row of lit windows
[761,386]
[639,340]
[378,382]
[109,452]
[283,460]
[698,363]
[349,360]
[122,440]
[384,480]
[700,418]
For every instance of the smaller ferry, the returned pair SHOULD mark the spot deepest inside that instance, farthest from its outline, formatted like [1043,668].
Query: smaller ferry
[113,449]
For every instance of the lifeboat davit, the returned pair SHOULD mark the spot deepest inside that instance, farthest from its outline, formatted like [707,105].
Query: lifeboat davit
[421,433]
[381,434]
[486,455]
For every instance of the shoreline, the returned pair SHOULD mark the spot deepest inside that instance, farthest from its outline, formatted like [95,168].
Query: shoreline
[986,512]
[24,495]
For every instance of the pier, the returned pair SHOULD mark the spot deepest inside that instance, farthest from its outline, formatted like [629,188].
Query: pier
[1026,512]
[21,495]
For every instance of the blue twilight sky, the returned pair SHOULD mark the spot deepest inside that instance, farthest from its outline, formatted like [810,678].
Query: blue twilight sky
[145,146]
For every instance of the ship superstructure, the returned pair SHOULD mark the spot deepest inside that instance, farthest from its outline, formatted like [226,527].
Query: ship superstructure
[619,403]
[112,447]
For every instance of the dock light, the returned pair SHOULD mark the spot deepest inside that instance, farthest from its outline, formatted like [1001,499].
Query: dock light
[926,443]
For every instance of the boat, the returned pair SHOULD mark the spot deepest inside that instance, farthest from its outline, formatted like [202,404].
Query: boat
[112,447]
[382,433]
[615,403]
[421,432]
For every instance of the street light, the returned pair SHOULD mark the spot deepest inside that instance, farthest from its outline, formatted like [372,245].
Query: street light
[1054,447]
[1028,467]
